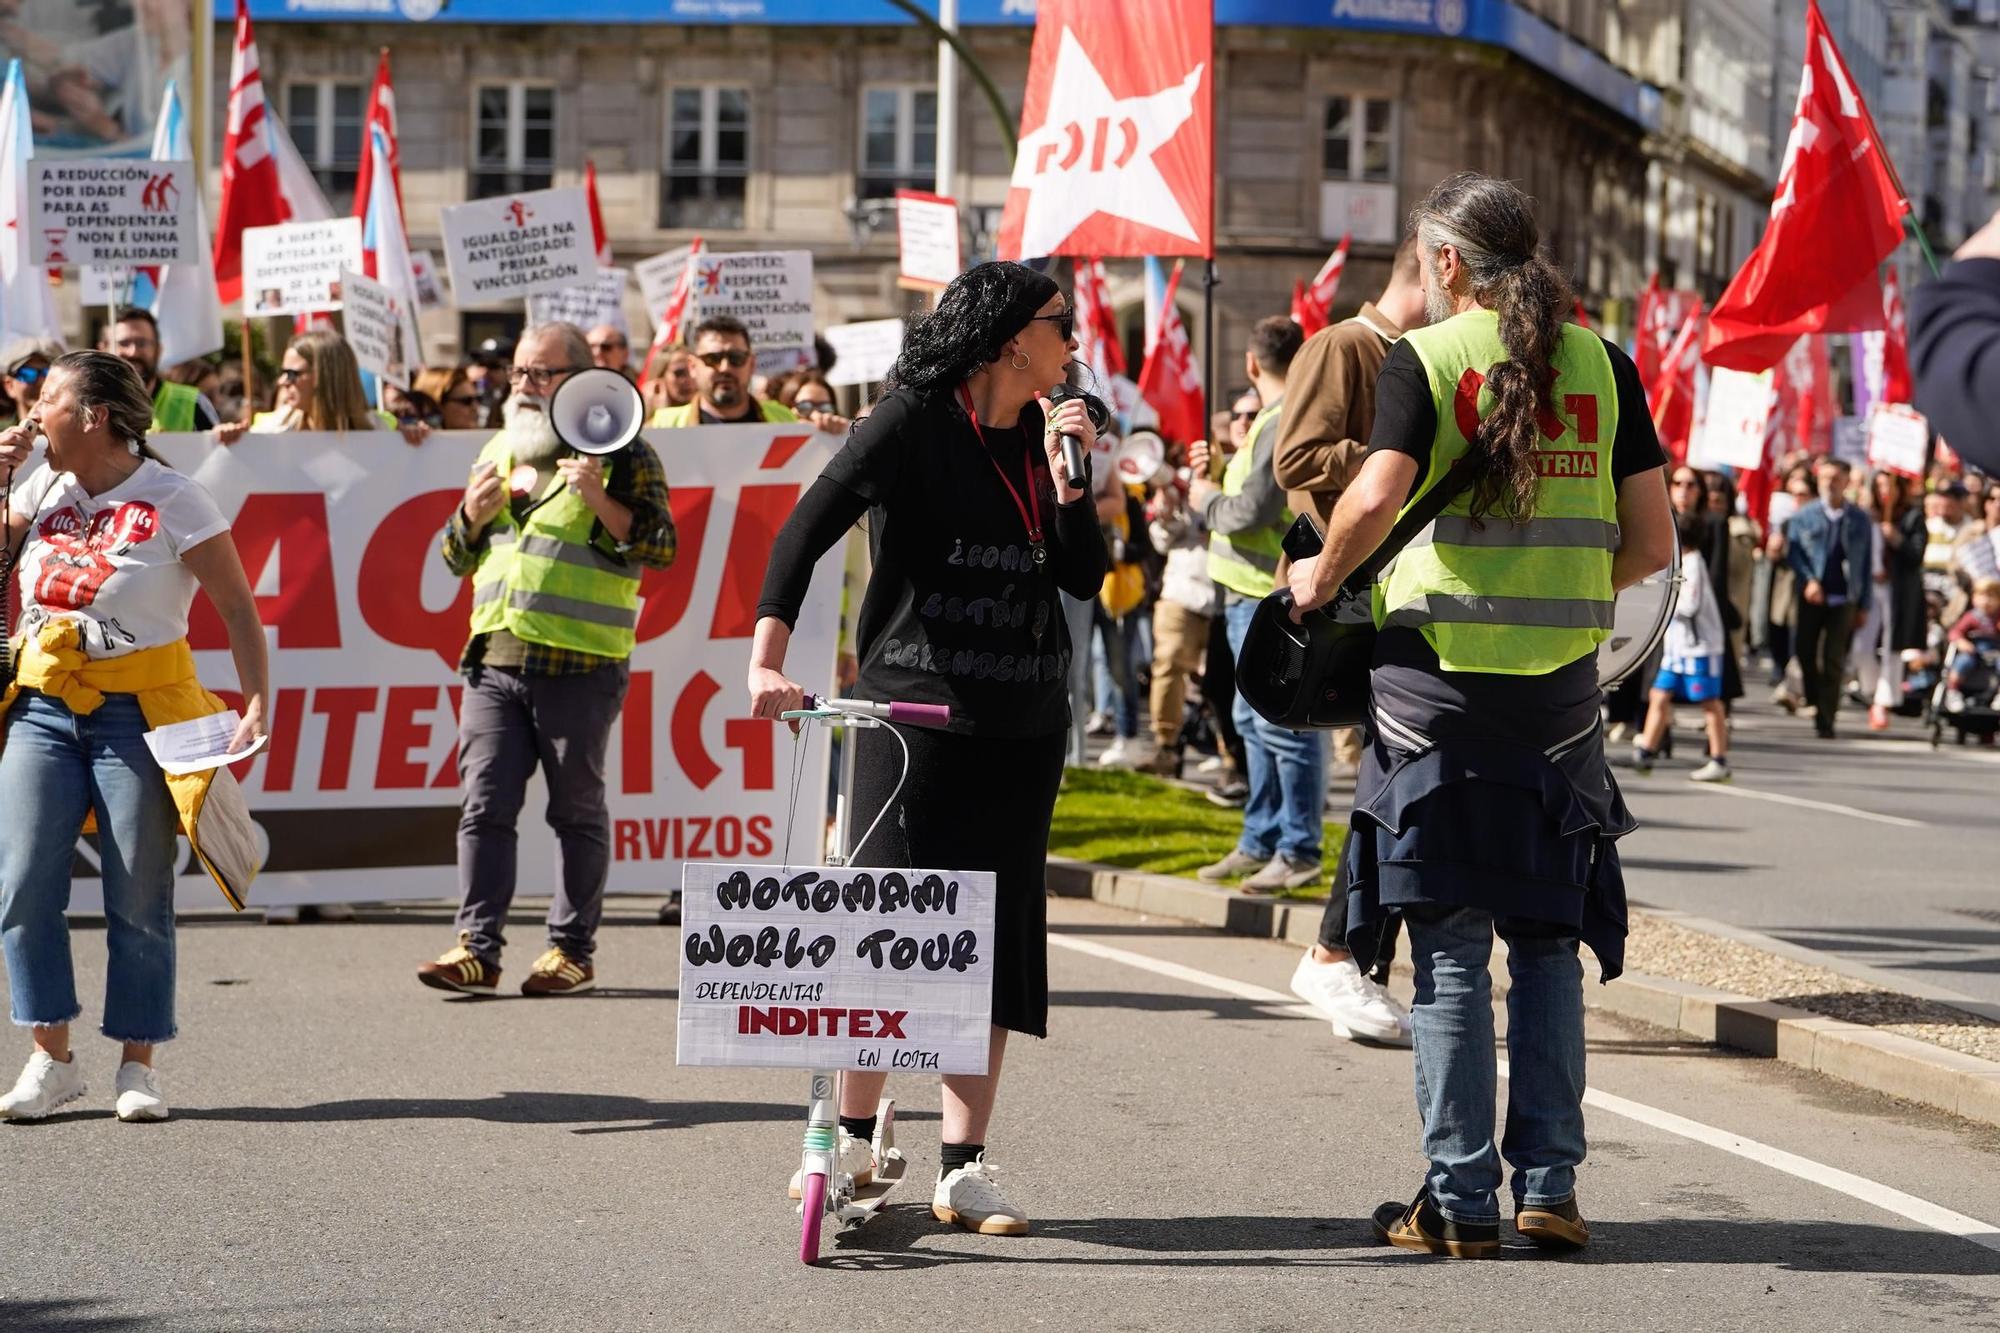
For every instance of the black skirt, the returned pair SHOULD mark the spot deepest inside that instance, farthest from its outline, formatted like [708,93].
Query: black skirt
[974,803]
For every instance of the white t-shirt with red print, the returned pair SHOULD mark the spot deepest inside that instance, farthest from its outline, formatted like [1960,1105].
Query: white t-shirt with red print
[113,561]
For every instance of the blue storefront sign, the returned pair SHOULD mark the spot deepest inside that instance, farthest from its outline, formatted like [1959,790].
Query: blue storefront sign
[1498,23]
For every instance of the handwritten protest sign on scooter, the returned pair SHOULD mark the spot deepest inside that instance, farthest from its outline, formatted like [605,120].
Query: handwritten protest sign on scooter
[836,968]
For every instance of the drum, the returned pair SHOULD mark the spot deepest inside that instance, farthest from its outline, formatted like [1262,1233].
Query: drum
[1639,622]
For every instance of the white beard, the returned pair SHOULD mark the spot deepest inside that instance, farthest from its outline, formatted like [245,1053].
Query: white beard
[531,436]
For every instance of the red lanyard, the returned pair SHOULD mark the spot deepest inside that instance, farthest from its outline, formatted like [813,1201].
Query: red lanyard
[1037,546]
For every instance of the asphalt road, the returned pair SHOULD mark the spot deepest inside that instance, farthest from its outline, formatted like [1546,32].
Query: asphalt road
[1877,850]
[351,1151]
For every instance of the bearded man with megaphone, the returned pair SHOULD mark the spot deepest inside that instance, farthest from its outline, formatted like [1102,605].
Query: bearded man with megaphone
[566,509]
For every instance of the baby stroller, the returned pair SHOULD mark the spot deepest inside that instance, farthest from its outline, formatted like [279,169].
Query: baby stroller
[1971,710]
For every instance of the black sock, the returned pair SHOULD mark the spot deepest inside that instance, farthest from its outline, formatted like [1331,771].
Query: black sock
[954,1155]
[860,1126]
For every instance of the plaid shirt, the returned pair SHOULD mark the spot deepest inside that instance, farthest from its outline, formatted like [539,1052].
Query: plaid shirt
[641,486]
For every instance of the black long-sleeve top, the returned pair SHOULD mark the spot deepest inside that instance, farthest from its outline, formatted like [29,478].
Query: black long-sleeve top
[1955,357]
[956,611]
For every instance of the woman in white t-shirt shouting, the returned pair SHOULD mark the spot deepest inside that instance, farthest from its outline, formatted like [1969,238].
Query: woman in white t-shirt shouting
[110,540]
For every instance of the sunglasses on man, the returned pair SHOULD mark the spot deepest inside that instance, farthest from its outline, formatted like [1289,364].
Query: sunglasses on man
[734,357]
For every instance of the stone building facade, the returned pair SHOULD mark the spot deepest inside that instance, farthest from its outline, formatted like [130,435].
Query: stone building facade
[770,134]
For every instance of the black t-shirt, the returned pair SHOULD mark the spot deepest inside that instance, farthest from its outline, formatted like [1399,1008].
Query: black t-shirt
[956,612]
[1409,682]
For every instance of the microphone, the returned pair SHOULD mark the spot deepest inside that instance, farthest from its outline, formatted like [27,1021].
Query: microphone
[1074,462]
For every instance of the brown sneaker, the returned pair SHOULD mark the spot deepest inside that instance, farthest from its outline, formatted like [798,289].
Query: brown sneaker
[1553,1226]
[461,970]
[556,973]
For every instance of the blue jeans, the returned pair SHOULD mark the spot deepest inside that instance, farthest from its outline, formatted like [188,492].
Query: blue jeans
[56,767]
[1451,1024]
[1287,769]
[1118,669]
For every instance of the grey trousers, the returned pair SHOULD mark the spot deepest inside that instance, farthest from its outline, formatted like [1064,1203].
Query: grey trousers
[509,724]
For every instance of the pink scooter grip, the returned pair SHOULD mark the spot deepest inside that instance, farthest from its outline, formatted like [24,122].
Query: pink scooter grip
[920,715]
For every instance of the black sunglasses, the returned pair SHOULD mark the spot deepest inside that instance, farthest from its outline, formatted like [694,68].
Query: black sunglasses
[1242,416]
[735,356]
[1065,323]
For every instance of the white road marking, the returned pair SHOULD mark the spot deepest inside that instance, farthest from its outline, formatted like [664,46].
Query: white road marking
[1872,1192]
[1913,749]
[1828,807]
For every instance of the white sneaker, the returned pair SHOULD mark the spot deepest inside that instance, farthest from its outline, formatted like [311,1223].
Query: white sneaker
[1118,754]
[969,1197]
[1715,770]
[139,1095]
[45,1085]
[1213,764]
[288,915]
[857,1159]
[334,912]
[1355,1005]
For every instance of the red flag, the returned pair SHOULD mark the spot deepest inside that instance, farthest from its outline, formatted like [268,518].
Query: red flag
[1838,212]
[381,112]
[1672,394]
[1896,384]
[597,237]
[1170,380]
[1117,151]
[1096,322]
[1648,345]
[251,193]
[669,331]
[1304,313]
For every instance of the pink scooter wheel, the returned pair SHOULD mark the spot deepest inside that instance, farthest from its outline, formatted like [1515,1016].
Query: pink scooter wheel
[812,1210]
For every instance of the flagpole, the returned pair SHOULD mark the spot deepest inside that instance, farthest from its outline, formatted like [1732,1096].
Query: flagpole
[1923,242]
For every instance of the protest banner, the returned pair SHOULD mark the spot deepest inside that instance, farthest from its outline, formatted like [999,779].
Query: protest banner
[657,278]
[430,293]
[294,268]
[864,352]
[357,792]
[111,285]
[601,302]
[1850,440]
[927,236]
[381,329]
[1733,426]
[771,292]
[880,968]
[1899,438]
[111,211]
[517,245]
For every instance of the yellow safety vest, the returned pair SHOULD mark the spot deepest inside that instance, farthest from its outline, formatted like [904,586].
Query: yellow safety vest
[541,579]
[689,414]
[1247,562]
[1518,599]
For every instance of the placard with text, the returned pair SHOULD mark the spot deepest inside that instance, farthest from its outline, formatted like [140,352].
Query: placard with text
[357,794]
[811,967]
[111,211]
[517,245]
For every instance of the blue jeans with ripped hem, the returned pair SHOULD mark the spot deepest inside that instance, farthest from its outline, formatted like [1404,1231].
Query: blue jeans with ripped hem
[1451,1026]
[55,767]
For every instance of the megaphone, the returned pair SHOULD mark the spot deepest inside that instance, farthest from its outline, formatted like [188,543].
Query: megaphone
[1139,458]
[597,412]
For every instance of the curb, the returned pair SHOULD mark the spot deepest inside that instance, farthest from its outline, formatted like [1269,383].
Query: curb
[1854,1053]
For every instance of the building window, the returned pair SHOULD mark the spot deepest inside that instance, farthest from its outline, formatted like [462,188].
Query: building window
[326,119]
[898,141]
[1360,143]
[514,139]
[708,158]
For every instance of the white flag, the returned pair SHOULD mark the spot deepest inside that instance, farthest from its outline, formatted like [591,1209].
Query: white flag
[27,305]
[181,296]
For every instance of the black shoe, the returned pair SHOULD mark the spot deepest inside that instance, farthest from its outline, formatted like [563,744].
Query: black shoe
[1552,1226]
[1418,1225]
[1229,795]
[1823,730]
[670,910]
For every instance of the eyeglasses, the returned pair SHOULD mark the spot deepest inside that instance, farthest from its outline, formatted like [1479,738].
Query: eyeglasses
[289,373]
[734,357]
[538,376]
[806,407]
[29,374]
[1065,323]
[410,416]
[610,347]
[1242,416]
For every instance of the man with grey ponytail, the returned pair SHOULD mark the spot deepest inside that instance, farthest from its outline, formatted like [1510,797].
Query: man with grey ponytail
[1484,803]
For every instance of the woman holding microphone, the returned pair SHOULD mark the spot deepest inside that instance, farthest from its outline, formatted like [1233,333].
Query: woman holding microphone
[110,545]
[974,524]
